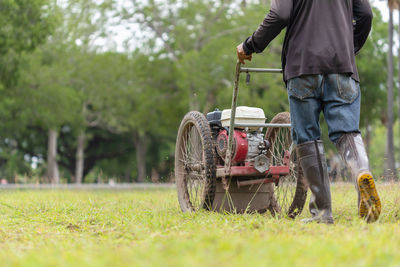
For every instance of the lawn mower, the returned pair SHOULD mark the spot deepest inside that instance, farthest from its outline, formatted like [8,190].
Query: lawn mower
[238,165]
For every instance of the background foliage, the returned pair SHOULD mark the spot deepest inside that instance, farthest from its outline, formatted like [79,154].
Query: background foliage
[122,106]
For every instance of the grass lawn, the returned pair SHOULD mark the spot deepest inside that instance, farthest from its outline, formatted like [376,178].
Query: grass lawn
[146,228]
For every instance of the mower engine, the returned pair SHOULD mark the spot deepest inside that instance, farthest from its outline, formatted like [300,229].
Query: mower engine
[249,146]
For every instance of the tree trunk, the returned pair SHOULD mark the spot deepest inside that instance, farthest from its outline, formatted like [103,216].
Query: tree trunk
[52,166]
[210,101]
[127,176]
[398,80]
[368,139]
[80,150]
[141,151]
[390,172]
[155,177]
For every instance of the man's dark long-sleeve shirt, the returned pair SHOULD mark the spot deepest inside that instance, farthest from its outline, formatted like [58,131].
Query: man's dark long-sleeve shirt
[322,36]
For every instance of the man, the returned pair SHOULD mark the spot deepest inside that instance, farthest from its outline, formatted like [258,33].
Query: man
[318,59]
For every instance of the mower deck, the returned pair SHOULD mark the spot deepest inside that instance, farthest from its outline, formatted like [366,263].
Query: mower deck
[249,198]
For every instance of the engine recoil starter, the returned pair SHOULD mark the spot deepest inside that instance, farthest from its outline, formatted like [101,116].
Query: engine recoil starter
[240,146]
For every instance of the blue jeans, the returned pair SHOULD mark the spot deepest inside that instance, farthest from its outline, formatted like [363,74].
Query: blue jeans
[336,95]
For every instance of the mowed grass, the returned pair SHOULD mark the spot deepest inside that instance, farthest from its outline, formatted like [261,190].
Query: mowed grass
[147,228]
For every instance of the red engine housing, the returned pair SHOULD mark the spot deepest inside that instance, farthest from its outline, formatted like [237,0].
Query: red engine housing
[240,146]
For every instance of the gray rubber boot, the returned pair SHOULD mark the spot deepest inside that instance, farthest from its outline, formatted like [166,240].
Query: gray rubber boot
[312,160]
[351,148]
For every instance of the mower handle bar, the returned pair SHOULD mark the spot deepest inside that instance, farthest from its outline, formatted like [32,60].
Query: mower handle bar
[247,70]
[262,125]
[259,70]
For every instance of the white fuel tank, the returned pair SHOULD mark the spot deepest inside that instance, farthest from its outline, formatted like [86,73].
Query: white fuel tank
[244,115]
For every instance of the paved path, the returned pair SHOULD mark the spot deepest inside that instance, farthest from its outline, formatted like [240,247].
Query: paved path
[88,186]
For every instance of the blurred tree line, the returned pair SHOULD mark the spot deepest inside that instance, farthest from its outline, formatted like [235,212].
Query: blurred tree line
[73,111]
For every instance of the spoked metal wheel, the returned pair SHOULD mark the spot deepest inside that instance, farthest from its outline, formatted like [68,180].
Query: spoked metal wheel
[290,193]
[195,163]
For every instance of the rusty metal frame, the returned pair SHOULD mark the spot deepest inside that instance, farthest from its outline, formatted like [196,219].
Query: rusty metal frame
[250,171]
